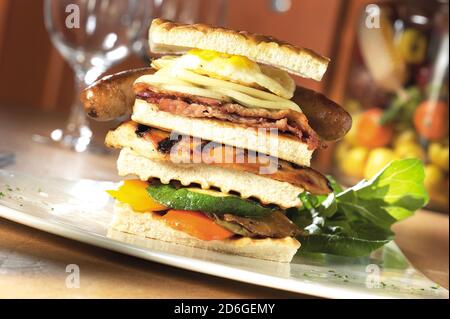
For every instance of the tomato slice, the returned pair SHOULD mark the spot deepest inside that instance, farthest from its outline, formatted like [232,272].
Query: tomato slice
[134,193]
[196,224]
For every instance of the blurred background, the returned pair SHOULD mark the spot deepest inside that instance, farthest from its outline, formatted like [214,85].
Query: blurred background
[389,69]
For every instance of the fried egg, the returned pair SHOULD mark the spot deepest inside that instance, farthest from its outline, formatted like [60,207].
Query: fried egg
[237,69]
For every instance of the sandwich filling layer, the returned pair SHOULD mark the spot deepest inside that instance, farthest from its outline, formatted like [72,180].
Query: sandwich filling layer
[285,121]
[164,146]
[247,185]
[208,84]
[140,228]
[262,141]
[206,215]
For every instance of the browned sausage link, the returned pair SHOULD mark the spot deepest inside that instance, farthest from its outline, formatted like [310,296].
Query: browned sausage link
[326,117]
[112,96]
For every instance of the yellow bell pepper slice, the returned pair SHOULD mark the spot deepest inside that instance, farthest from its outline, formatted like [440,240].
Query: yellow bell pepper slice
[134,193]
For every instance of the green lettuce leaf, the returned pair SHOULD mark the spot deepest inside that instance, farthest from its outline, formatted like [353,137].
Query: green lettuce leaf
[356,221]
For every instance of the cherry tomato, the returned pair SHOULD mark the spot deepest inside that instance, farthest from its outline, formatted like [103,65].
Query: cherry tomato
[408,136]
[378,158]
[352,135]
[409,150]
[370,132]
[354,161]
[412,46]
[439,155]
[433,177]
[431,120]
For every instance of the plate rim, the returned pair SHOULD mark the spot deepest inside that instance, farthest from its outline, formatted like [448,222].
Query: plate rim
[72,232]
[229,272]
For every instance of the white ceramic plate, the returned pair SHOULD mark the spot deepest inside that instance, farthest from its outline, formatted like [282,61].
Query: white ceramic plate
[82,211]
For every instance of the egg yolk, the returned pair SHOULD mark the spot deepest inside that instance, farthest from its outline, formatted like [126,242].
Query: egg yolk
[235,60]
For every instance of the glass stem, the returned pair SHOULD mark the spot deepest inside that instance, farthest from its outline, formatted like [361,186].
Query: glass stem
[77,119]
[78,124]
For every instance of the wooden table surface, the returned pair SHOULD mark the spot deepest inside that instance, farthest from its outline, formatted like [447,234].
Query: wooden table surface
[33,263]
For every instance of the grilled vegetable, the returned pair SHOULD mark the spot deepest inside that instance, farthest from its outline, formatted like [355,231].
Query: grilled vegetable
[133,193]
[213,202]
[196,224]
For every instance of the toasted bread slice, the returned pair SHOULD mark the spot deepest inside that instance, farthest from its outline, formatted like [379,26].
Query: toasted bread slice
[266,190]
[160,146]
[169,37]
[281,146]
[145,225]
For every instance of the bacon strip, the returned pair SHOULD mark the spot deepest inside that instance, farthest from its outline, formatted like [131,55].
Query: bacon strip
[113,96]
[286,121]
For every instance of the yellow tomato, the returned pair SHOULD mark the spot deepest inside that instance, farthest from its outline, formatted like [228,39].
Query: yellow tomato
[409,150]
[134,193]
[412,46]
[377,160]
[353,163]
[438,155]
[408,136]
[352,136]
[433,176]
[342,151]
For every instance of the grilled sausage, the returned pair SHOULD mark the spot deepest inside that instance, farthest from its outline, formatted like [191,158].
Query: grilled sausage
[326,117]
[112,96]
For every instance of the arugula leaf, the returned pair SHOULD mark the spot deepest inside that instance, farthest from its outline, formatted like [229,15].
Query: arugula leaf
[356,221]
[340,245]
[392,195]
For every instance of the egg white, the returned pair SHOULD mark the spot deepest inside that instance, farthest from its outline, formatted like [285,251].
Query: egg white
[240,70]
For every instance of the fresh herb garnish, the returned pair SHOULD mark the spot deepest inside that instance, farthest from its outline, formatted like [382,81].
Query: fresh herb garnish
[356,221]
[435,287]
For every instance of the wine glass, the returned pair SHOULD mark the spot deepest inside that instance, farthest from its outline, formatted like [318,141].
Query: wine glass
[92,35]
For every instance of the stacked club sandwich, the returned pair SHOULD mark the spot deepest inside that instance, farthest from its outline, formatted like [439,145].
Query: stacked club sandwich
[220,138]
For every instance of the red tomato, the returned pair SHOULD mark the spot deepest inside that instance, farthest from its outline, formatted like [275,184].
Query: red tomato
[431,120]
[370,133]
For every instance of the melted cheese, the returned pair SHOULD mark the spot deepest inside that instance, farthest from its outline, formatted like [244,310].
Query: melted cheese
[224,77]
